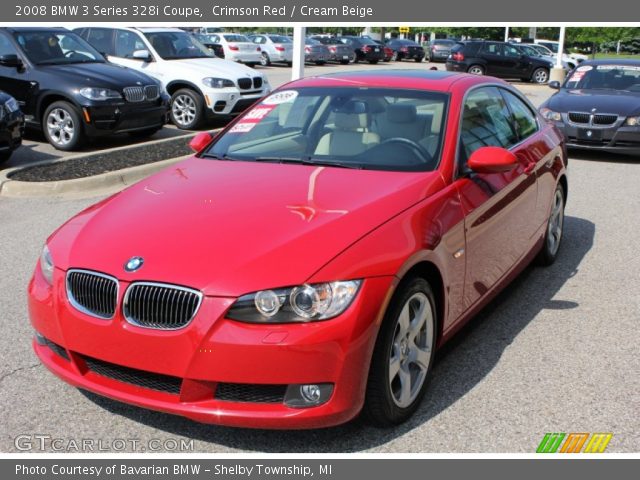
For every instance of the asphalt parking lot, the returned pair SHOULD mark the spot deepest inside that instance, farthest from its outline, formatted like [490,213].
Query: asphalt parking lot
[556,352]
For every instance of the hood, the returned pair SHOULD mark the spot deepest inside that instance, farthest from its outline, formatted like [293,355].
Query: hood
[215,67]
[604,101]
[100,75]
[230,228]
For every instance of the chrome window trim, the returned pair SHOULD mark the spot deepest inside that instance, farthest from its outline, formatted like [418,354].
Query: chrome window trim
[81,308]
[131,321]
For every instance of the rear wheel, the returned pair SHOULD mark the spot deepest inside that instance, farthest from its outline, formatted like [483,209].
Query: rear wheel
[62,126]
[476,70]
[403,355]
[265,61]
[555,226]
[187,109]
[540,76]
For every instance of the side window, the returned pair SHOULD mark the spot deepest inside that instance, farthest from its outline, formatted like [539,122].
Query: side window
[524,119]
[259,40]
[127,43]
[6,47]
[486,122]
[101,39]
[492,48]
[511,51]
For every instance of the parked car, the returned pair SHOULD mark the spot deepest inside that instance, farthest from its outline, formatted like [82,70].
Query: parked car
[439,50]
[338,51]
[274,48]
[207,41]
[315,52]
[384,227]
[200,84]
[568,63]
[388,51]
[365,49]
[11,125]
[238,48]
[68,89]
[405,49]
[499,59]
[554,46]
[598,106]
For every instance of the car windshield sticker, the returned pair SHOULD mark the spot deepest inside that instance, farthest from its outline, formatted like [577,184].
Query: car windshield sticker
[618,67]
[252,118]
[584,68]
[577,76]
[286,96]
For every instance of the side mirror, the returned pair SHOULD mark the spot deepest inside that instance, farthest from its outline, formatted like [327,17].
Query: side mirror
[144,55]
[200,141]
[492,160]
[554,84]
[11,60]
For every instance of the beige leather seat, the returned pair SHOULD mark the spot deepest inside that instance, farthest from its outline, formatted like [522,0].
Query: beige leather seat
[351,136]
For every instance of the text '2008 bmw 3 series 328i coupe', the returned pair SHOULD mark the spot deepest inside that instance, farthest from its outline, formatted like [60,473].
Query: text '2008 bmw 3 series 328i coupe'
[308,261]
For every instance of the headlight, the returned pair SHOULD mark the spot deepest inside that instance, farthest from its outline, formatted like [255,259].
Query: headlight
[550,115]
[632,121]
[46,265]
[213,82]
[304,303]
[99,93]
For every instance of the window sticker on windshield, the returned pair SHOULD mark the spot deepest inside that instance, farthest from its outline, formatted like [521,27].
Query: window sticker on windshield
[618,67]
[577,76]
[242,127]
[584,68]
[252,118]
[286,96]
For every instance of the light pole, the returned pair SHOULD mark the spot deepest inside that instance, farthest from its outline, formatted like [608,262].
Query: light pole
[557,72]
[297,68]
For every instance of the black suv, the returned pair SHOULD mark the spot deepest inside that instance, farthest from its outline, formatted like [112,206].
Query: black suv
[365,48]
[499,59]
[11,126]
[68,89]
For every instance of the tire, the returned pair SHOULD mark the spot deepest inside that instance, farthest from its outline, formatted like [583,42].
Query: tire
[62,126]
[418,60]
[386,404]
[555,225]
[540,76]
[344,62]
[373,62]
[145,133]
[476,70]
[289,64]
[187,109]
[265,61]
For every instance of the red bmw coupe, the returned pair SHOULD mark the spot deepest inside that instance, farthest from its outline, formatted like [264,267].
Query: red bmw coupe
[308,261]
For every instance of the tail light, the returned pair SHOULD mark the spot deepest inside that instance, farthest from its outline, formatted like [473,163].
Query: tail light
[458,57]
[433,48]
[258,49]
[404,49]
[279,48]
[235,48]
[365,48]
[307,49]
[333,49]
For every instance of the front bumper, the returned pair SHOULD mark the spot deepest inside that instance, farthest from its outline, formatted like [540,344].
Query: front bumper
[232,101]
[617,138]
[106,119]
[211,351]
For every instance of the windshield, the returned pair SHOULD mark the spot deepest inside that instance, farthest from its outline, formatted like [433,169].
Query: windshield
[56,48]
[605,77]
[177,45]
[370,128]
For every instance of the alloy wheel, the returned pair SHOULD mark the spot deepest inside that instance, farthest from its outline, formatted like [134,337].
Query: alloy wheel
[184,109]
[411,350]
[475,70]
[556,222]
[540,76]
[60,126]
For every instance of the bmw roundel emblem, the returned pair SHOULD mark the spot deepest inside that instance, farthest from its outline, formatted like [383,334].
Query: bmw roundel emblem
[133,264]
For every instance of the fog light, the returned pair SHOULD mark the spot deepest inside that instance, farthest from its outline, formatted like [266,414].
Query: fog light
[308,395]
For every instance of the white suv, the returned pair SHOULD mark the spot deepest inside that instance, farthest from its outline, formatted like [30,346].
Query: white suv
[200,85]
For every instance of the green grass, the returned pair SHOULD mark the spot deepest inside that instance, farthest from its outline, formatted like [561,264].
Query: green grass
[617,57]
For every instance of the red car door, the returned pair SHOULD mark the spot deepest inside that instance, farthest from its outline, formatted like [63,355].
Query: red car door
[499,207]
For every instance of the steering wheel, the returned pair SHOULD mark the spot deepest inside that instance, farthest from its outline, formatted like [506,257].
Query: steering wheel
[418,149]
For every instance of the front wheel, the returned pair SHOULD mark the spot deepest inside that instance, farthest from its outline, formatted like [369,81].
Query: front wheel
[62,126]
[187,109]
[403,355]
[540,76]
[555,226]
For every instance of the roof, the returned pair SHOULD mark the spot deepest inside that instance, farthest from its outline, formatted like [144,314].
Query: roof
[438,80]
[612,61]
[36,29]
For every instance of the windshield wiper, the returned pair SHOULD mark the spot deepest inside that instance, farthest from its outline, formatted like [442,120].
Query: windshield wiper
[307,161]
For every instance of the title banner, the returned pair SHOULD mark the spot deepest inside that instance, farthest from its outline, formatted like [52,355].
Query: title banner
[316,11]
